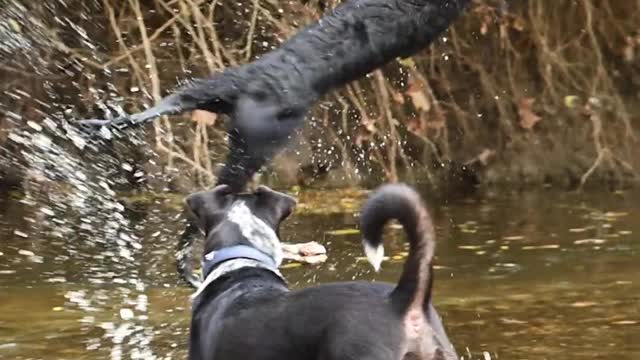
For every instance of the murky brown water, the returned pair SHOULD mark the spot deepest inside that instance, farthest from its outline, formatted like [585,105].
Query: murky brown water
[521,276]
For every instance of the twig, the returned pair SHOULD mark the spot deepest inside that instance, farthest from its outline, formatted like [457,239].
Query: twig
[252,28]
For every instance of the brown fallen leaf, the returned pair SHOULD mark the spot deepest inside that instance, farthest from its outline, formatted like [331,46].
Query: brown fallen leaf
[417,125]
[418,96]
[518,24]
[484,27]
[205,117]
[528,118]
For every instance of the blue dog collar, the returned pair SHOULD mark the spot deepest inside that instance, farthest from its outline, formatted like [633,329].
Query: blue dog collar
[217,257]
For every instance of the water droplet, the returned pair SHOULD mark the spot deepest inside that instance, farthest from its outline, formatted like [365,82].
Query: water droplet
[25,252]
[20,233]
[35,126]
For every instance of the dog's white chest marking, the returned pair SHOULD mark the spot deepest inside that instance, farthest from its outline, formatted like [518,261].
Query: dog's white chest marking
[261,235]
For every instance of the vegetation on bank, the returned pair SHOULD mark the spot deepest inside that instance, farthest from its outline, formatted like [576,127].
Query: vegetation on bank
[538,92]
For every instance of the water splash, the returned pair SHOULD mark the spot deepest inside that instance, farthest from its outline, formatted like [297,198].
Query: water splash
[71,191]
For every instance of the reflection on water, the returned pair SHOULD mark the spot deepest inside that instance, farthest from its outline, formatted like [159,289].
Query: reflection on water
[519,276]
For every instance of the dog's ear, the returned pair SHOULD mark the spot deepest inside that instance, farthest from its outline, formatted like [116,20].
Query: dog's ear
[205,206]
[281,205]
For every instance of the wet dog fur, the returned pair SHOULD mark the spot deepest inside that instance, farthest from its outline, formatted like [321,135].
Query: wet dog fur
[244,309]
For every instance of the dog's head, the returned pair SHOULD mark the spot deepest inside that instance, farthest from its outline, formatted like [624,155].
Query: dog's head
[252,219]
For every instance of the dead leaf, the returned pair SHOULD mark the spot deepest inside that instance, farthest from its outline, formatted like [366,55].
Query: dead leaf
[369,124]
[416,125]
[484,27]
[518,24]
[418,97]
[528,118]
[205,117]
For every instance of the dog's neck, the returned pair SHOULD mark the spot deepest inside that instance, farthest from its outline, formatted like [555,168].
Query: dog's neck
[217,257]
[226,260]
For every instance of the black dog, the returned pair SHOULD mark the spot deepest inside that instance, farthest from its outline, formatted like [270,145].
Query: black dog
[244,310]
[268,99]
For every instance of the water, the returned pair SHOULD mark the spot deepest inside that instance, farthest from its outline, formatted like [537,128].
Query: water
[542,275]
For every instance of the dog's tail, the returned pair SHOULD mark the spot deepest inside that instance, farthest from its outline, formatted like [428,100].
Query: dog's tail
[401,202]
